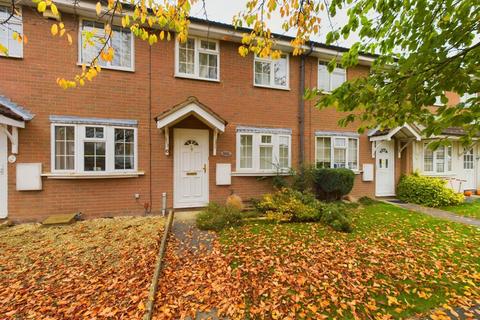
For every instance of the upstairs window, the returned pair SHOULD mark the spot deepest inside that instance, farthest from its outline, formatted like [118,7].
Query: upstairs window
[121,41]
[272,73]
[466,98]
[263,152]
[327,81]
[198,58]
[337,152]
[437,161]
[14,26]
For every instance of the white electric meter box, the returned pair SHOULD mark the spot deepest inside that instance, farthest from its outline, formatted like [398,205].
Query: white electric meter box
[224,174]
[29,176]
[367,172]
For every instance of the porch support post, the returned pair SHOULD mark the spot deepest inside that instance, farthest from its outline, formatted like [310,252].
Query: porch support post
[13,137]
[167,141]
[400,150]
[215,137]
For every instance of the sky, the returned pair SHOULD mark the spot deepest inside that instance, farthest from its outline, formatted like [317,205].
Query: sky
[224,10]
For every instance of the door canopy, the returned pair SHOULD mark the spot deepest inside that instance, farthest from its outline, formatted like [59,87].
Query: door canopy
[191,107]
[12,116]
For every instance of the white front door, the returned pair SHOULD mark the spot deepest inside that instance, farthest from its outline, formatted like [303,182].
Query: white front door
[469,170]
[190,185]
[3,176]
[385,170]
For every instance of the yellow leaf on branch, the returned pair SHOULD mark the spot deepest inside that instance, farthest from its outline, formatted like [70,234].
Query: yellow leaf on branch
[54,29]
[98,8]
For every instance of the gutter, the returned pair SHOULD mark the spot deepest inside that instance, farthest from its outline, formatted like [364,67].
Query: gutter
[301,108]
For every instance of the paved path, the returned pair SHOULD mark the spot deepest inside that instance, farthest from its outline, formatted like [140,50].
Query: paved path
[192,241]
[442,214]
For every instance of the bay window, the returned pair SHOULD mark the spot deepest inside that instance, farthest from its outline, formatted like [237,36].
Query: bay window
[7,30]
[93,149]
[437,161]
[198,58]
[337,152]
[263,152]
[121,41]
[272,73]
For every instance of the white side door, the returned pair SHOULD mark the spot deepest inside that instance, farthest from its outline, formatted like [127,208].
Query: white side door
[385,170]
[469,169]
[3,176]
[190,185]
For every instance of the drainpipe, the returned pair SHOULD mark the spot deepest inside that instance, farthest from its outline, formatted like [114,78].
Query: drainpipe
[301,108]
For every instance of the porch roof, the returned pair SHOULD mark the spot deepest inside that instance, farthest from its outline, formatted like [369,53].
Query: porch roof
[191,106]
[12,114]
[404,132]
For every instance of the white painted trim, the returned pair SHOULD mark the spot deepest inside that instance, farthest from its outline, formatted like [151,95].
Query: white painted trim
[95,175]
[3,176]
[11,122]
[196,61]
[108,66]
[332,148]
[20,17]
[324,63]
[272,73]
[187,110]
[391,147]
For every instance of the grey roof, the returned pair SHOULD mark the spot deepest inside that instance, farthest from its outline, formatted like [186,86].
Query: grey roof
[11,109]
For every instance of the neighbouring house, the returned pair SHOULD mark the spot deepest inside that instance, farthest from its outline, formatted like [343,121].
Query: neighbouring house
[179,124]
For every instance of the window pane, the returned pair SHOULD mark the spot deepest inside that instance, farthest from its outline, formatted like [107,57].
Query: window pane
[262,73]
[339,158]
[208,45]
[14,24]
[94,156]
[427,159]
[186,56]
[280,72]
[324,152]
[352,154]
[64,147]
[440,159]
[91,48]
[94,132]
[121,43]
[266,139]
[449,158]
[266,160]
[323,78]
[124,149]
[246,148]
[338,77]
[468,160]
[208,65]
[283,153]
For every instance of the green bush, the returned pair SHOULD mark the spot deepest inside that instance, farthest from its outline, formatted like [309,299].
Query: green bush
[427,191]
[366,201]
[333,215]
[290,205]
[217,217]
[303,179]
[333,184]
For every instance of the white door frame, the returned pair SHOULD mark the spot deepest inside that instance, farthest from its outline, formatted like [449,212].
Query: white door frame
[469,173]
[3,175]
[380,184]
[202,136]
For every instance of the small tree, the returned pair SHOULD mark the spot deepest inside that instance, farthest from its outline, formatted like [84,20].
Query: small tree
[333,184]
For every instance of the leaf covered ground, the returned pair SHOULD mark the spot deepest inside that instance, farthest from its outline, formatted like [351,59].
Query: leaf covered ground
[96,269]
[396,264]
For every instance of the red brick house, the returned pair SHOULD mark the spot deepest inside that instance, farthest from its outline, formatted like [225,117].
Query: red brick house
[181,123]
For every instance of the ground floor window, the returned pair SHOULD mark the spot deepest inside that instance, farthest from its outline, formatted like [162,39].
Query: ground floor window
[437,161]
[263,150]
[89,148]
[337,152]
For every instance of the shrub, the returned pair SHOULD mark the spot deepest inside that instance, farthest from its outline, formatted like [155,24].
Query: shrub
[333,215]
[427,191]
[290,205]
[234,200]
[333,184]
[217,217]
[304,178]
[366,201]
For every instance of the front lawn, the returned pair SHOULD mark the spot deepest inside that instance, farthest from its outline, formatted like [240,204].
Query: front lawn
[395,264]
[89,270]
[468,209]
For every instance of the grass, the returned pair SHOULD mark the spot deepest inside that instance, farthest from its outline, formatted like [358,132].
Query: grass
[396,263]
[468,209]
[91,269]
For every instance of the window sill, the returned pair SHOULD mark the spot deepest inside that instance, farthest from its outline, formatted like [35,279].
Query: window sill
[271,87]
[439,175]
[193,77]
[132,70]
[259,174]
[108,175]
[11,57]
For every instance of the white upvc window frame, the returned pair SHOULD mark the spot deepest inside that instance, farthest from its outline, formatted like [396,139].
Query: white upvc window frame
[108,63]
[15,24]
[322,65]
[256,143]
[332,150]
[466,96]
[434,159]
[196,60]
[80,138]
[271,61]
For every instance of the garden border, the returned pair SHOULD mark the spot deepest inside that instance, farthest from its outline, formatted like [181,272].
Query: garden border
[158,268]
